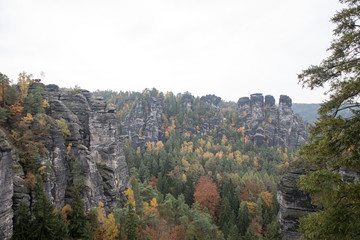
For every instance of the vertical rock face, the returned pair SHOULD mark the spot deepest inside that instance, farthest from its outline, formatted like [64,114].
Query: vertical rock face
[6,188]
[294,203]
[266,124]
[144,123]
[94,141]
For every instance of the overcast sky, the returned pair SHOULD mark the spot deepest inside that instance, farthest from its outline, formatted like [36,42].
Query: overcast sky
[230,48]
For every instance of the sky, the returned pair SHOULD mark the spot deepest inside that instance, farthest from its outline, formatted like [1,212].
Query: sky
[230,48]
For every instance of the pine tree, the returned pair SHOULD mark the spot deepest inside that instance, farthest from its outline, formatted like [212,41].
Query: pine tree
[79,227]
[335,140]
[131,224]
[22,227]
[46,224]
[243,218]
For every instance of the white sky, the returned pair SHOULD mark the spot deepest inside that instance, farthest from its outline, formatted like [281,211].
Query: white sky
[231,48]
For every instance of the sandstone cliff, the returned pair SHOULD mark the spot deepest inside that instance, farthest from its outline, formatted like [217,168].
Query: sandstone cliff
[293,203]
[266,124]
[94,141]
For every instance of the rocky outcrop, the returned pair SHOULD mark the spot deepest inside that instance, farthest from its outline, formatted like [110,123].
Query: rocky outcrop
[293,203]
[143,124]
[266,124]
[93,141]
[6,188]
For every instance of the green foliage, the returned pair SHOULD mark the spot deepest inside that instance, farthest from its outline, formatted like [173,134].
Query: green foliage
[22,227]
[47,224]
[334,144]
[131,224]
[79,227]
[64,127]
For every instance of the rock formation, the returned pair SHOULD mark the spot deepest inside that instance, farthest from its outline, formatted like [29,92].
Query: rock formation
[94,141]
[143,124]
[294,203]
[266,124]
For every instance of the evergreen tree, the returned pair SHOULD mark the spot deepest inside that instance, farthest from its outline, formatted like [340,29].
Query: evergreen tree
[233,233]
[226,216]
[46,224]
[243,218]
[79,227]
[22,227]
[131,224]
[334,144]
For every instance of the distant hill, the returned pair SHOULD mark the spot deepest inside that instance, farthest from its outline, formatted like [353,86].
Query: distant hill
[308,111]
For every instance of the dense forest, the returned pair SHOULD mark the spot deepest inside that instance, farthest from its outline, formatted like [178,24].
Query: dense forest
[222,176]
[185,186]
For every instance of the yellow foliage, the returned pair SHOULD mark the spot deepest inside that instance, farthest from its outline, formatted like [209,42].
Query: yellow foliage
[184,178]
[224,140]
[256,164]
[270,120]
[220,154]
[130,197]
[187,147]
[27,119]
[138,151]
[241,130]
[218,178]
[45,104]
[185,164]
[151,208]
[201,142]
[24,81]
[140,132]
[267,197]
[252,208]
[159,145]
[244,113]
[111,228]
[208,145]
[100,213]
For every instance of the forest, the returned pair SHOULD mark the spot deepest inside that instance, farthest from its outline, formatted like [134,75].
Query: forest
[185,186]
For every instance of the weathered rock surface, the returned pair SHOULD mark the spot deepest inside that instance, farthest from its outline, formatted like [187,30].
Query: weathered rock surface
[294,203]
[266,124]
[94,141]
[6,188]
[144,123]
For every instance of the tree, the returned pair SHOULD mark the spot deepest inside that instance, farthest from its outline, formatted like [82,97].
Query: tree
[47,224]
[4,84]
[131,224]
[23,225]
[24,81]
[79,227]
[207,195]
[333,148]
[243,218]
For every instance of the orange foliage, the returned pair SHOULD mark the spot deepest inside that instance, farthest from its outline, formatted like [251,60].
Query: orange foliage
[256,227]
[177,233]
[152,181]
[252,187]
[16,108]
[30,180]
[207,195]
